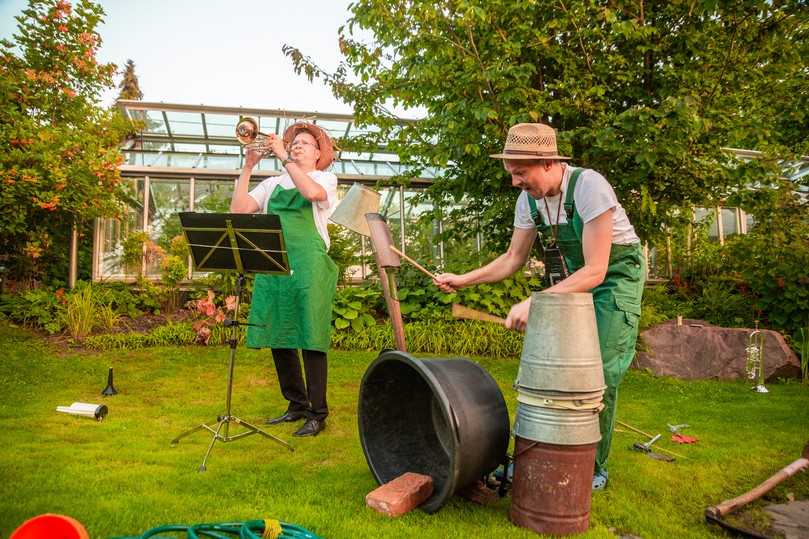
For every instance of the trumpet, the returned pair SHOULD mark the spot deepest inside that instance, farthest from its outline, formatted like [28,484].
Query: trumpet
[247,133]
[754,363]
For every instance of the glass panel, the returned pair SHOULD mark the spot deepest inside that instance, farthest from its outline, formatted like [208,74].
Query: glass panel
[729,224]
[221,125]
[114,232]
[154,122]
[135,158]
[334,128]
[225,149]
[366,168]
[702,214]
[167,198]
[389,207]
[460,224]
[751,221]
[190,148]
[155,145]
[212,196]
[220,161]
[268,124]
[185,123]
[179,160]
[422,231]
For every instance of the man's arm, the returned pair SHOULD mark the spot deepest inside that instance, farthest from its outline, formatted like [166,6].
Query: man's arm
[241,201]
[498,269]
[596,245]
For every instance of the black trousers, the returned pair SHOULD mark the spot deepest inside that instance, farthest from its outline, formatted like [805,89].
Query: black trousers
[309,398]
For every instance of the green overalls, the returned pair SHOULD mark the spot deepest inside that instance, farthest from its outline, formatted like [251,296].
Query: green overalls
[296,308]
[616,301]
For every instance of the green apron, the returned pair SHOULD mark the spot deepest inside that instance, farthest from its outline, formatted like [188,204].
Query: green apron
[616,300]
[296,308]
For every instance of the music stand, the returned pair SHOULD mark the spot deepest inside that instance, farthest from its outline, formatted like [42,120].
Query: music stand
[243,243]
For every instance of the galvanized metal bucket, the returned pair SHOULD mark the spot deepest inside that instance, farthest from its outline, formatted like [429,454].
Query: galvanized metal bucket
[560,351]
[351,211]
[557,426]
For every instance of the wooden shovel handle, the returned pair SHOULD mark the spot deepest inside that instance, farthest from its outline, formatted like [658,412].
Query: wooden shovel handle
[460,311]
[729,506]
[418,266]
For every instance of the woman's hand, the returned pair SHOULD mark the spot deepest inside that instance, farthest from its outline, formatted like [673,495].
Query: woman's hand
[449,282]
[518,315]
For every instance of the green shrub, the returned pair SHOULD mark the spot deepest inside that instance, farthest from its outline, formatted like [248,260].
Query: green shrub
[171,334]
[354,308]
[464,338]
[421,300]
[120,297]
[42,307]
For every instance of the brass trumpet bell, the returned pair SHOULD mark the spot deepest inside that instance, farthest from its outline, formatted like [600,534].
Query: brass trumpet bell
[247,133]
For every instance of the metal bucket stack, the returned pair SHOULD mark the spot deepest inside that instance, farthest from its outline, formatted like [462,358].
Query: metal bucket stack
[560,384]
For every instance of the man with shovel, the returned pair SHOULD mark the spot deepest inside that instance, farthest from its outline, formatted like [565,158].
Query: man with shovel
[589,246]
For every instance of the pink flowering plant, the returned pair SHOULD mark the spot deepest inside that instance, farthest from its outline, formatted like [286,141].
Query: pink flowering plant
[210,314]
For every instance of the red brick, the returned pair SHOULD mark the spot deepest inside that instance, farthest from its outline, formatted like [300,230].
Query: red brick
[397,497]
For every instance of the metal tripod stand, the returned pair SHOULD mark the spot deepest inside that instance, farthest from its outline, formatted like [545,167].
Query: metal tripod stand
[221,429]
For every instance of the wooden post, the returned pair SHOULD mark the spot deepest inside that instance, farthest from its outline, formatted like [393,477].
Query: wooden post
[74,256]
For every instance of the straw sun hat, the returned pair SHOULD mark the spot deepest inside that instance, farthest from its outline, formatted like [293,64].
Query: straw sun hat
[530,141]
[324,142]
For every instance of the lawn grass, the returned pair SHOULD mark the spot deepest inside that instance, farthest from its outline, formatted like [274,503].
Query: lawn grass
[121,477]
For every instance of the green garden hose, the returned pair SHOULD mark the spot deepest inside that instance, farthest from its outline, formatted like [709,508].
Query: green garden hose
[251,529]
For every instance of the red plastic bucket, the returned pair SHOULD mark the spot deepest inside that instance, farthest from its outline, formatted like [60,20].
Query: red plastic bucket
[50,526]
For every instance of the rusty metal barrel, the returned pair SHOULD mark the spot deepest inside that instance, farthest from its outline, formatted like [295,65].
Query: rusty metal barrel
[560,384]
[552,487]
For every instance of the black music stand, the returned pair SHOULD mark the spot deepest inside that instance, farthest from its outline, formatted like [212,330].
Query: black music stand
[245,243]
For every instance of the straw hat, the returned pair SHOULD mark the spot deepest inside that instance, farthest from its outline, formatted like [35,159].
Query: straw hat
[324,142]
[530,141]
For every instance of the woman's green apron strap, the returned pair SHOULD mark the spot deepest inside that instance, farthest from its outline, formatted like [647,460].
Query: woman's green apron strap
[295,310]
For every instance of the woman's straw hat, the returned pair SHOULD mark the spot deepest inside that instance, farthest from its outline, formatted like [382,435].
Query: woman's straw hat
[530,141]
[324,142]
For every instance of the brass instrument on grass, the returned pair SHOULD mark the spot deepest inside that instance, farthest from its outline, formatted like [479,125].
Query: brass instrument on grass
[754,365]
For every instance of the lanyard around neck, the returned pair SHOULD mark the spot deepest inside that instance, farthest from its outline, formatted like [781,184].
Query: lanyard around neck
[554,226]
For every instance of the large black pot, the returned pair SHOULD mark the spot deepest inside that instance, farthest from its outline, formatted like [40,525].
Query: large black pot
[445,418]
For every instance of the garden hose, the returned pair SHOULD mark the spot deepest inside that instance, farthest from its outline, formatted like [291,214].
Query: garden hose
[251,529]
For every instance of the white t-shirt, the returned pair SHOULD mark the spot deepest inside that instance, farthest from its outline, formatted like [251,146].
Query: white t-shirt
[593,196]
[321,210]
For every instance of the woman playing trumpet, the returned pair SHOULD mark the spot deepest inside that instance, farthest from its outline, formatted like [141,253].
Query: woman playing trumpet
[293,312]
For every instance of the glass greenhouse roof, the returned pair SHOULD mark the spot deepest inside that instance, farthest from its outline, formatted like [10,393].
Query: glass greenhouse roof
[177,136]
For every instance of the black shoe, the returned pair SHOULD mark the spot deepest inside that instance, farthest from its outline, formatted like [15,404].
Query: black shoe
[287,417]
[311,428]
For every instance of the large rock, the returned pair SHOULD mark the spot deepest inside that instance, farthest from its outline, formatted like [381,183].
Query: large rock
[696,349]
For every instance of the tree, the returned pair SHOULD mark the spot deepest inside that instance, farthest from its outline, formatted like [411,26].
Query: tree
[646,92]
[58,148]
[129,83]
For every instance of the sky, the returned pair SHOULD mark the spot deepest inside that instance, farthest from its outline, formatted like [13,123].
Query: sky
[218,53]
